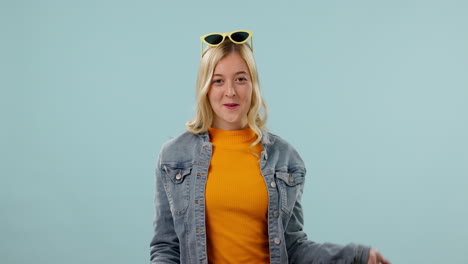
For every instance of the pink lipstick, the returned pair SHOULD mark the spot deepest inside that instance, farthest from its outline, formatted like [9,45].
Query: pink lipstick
[231,106]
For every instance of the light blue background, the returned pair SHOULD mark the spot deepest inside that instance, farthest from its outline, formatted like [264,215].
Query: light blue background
[373,94]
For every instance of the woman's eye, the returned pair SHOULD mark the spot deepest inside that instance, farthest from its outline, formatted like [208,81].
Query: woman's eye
[242,79]
[217,81]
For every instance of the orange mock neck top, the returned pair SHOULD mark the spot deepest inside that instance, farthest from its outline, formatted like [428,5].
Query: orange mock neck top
[236,200]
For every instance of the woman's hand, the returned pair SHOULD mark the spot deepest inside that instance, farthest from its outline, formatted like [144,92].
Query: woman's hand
[376,258]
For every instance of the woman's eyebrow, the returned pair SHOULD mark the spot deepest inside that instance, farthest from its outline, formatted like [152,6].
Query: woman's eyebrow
[239,72]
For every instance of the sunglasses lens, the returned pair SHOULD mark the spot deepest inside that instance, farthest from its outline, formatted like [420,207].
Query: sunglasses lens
[239,36]
[214,39]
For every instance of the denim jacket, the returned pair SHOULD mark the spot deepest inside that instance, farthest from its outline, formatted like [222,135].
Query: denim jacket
[179,221]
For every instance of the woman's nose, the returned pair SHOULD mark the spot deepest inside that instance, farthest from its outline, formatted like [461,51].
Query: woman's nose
[230,91]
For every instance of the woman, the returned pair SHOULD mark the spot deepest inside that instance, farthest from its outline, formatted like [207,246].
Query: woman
[227,190]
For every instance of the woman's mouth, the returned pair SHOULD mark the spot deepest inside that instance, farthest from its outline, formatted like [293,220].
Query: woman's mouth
[231,106]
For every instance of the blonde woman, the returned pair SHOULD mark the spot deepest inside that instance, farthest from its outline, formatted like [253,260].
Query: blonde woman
[227,190]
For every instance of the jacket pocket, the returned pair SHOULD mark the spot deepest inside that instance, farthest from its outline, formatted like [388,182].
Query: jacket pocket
[177,181]
[289,186]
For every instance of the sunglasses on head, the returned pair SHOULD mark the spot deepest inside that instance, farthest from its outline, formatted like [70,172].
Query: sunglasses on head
[215,39]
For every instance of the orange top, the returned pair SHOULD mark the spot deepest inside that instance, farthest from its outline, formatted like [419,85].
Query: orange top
[236,200]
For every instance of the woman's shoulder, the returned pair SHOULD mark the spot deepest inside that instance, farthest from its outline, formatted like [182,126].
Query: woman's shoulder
[283,152]
[184,147]
[182,140]
[276,140]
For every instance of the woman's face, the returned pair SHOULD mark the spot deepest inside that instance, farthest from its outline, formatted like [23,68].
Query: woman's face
[230,93]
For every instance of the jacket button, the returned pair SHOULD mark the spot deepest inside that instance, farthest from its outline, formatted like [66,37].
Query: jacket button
[178,176]
[277,241]
[273,184]
[275,213]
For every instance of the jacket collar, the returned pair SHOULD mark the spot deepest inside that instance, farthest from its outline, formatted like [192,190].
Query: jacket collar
[267,138]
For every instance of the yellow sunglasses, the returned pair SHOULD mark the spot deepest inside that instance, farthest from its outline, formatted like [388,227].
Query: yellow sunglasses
[238,37]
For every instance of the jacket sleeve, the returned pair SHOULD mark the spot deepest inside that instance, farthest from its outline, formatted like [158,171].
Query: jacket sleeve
[164,246]
[302,250]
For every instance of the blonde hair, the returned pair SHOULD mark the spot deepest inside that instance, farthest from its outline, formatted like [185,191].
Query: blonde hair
[257,115]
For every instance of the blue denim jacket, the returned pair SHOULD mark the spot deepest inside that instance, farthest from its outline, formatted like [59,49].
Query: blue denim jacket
[179,220]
